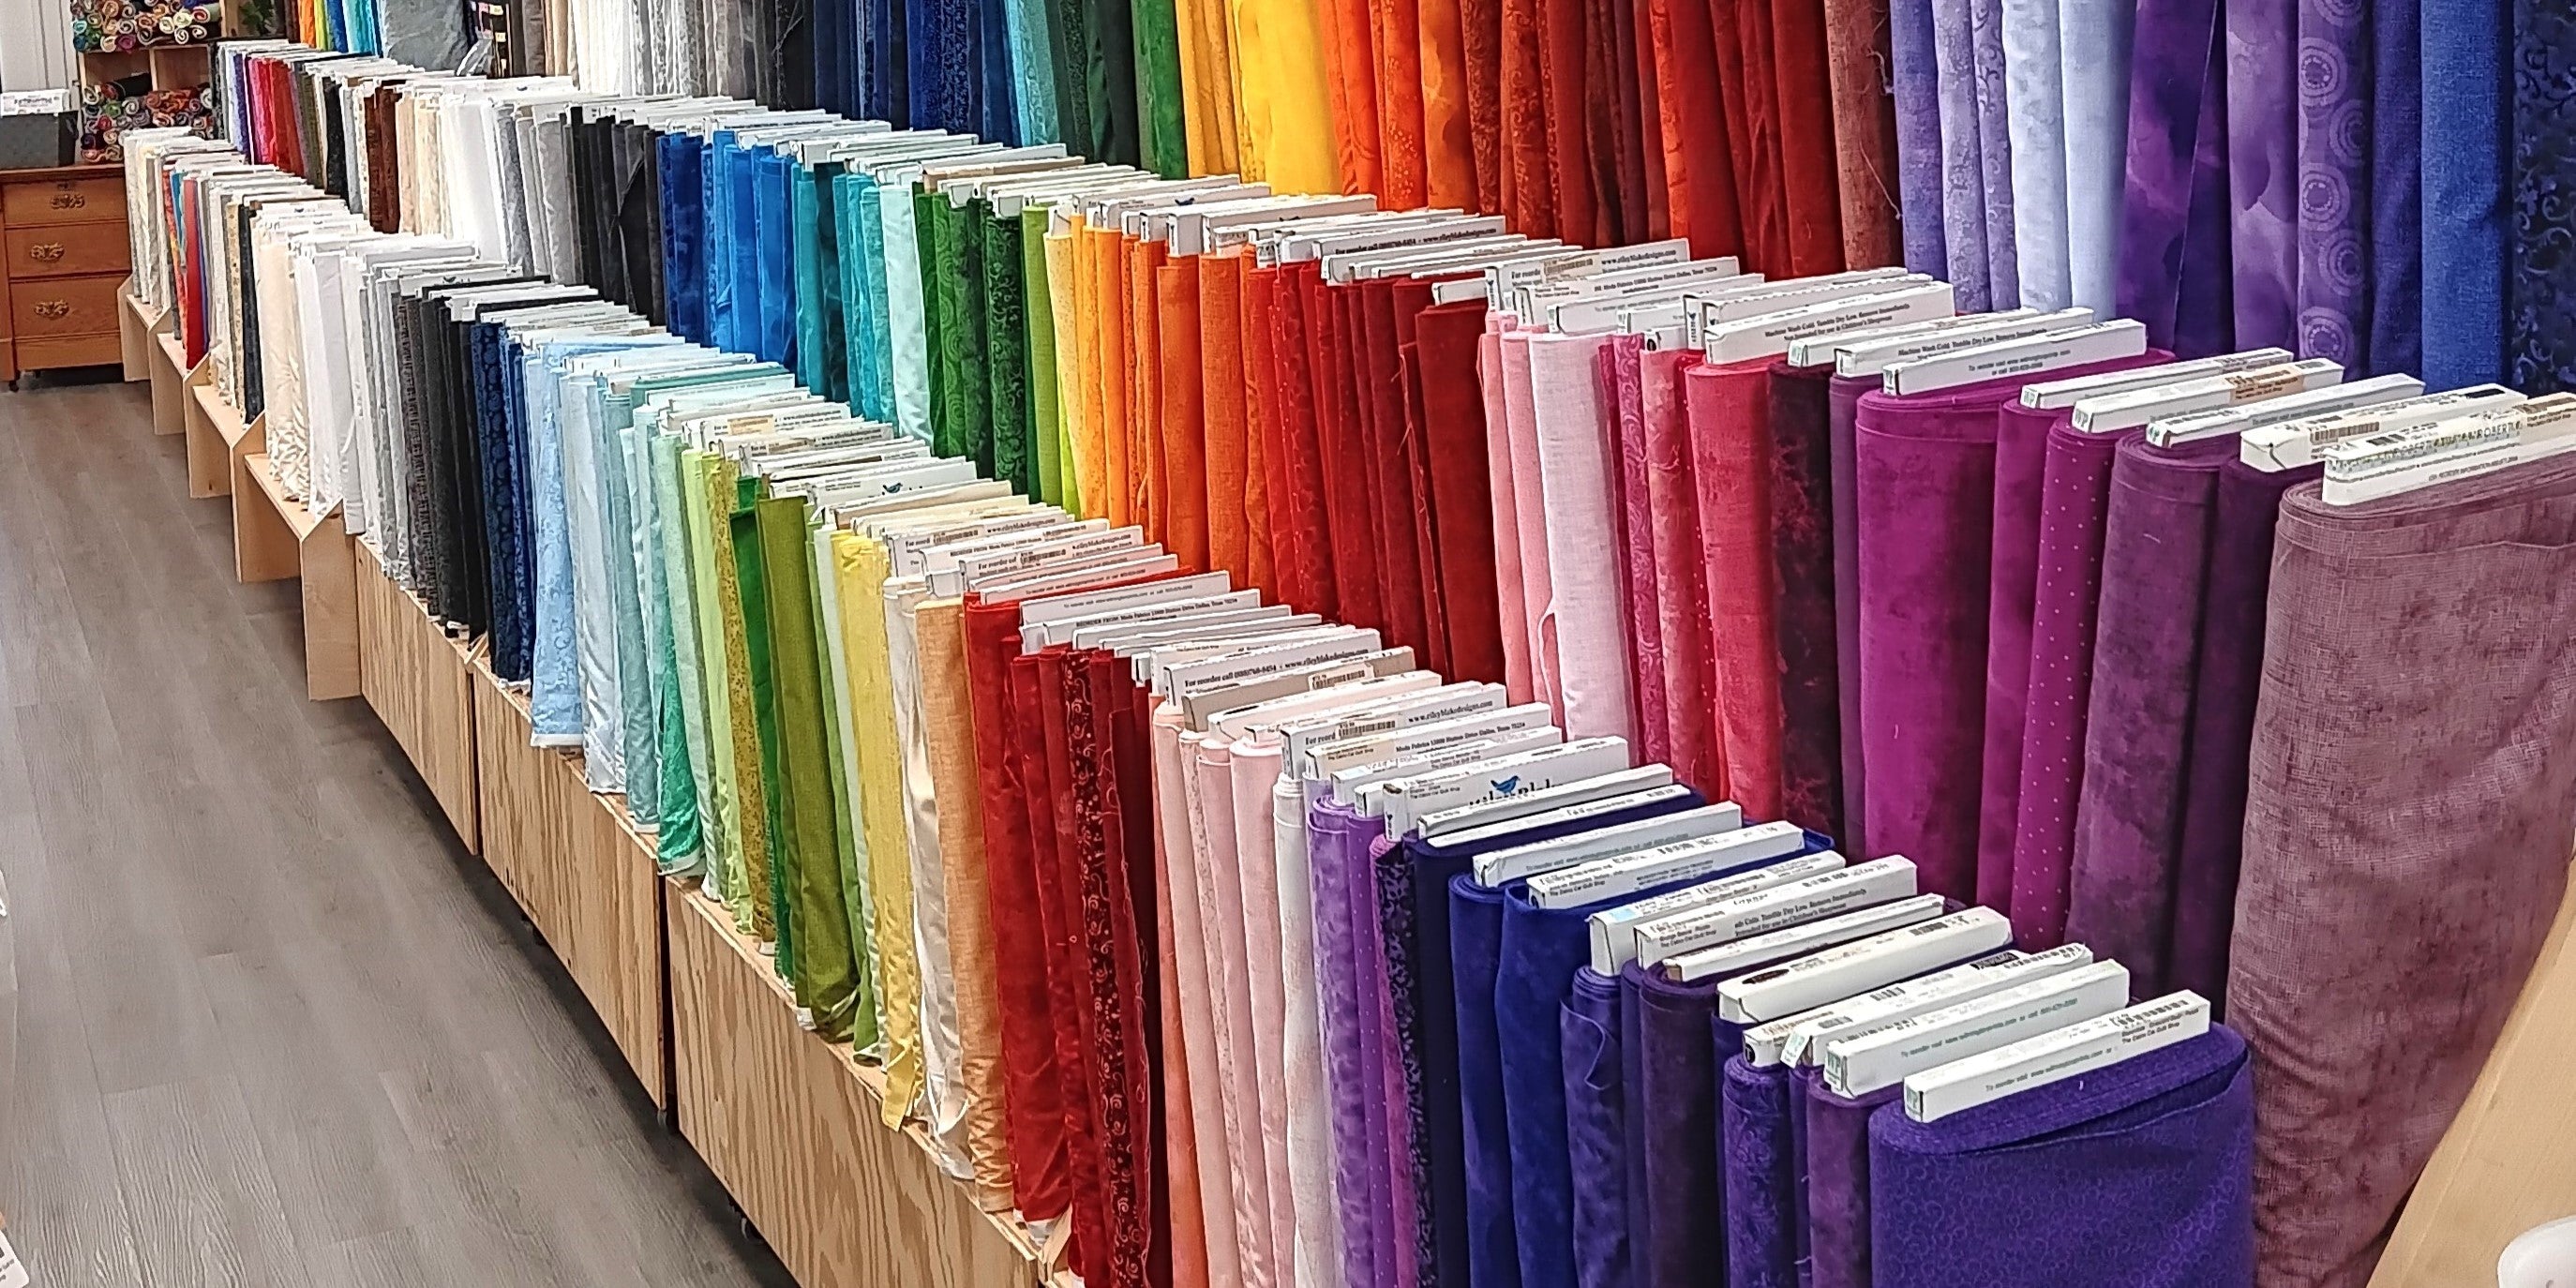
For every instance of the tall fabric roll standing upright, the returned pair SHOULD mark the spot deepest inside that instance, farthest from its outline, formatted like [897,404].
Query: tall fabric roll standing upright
[1994,152]
[1804,632]
[2466,153]
[2396,189]
[2021,459]
[2093,46]
[2174,239]
[2540,344]
[1913,50]
[2334,183]
[2263,169]
[1962,166]
[1856,54]
[2418,885]
[1730,418]
[2035,106]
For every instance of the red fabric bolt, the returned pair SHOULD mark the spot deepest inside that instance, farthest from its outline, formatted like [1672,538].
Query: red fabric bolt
[1037,696]
[1752,93]
[1443,359]
[1811,194]
[1563,95]
[1527,181]
[1300,505]
[1381,399]
[1411,297]
[1696,729]
[1730,420]
[1345,486]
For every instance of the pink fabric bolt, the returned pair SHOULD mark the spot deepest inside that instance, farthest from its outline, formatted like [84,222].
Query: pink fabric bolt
[1583,635]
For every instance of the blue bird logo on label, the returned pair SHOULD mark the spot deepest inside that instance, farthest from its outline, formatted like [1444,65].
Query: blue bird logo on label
[892,488]
[1507,786]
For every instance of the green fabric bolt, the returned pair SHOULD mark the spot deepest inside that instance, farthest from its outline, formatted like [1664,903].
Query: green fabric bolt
[643,739]
[1046,419]
[826,967]
[938,286]
[828,232]
[750,567]
[1111,56]
[855,350]
[747,825]
[1006,353]
[1071,48]
[677,838]
[804,216]
[963,337]
[679,621]
[849,842]
[1161,143]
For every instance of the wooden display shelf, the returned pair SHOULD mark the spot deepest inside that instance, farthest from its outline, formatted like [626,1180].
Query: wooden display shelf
[137,329]
[173,381]
[582,874]
[276,537]
[218,438]
[789,1123]
[415,678]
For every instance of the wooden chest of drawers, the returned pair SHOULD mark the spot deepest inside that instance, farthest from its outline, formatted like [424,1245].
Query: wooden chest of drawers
[62,232]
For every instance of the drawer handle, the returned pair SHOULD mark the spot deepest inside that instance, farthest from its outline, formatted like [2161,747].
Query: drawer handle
[53,308]
[45,252]
[70,200]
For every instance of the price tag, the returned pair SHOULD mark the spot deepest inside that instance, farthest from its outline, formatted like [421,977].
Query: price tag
[13,1272]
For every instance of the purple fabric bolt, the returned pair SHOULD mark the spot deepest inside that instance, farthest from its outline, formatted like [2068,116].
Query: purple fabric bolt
[2222,723]
[1761,1174]
[1337,846]
[1924,478]
[1994,154]
[1596,1132]
[2334,182]
[2154,578]
[2133,1176]
[1380,1046]
[2170,264]
[1915,78]
[1963,171]
[1838,1179]
[2263,169]
[1672,1077]
[1843,410]
[2074,491]
[2021,454]
[2406,835]
[1802,566]
[1475,959]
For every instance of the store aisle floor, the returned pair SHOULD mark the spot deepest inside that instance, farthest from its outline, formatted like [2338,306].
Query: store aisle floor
[274,1026]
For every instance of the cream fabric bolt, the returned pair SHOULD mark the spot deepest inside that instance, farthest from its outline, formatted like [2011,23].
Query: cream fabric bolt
[1583,634]
[944,1087]
[1310,1127]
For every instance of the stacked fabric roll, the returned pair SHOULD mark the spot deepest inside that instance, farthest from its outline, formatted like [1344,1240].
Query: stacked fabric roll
[1303,737]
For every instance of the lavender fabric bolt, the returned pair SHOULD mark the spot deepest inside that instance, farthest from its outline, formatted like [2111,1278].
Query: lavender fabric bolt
[1837,1170]
[1475,957]
[2074,493]
[2134,1176]
[1596,1133]
[2169,266]
[2463,141]
[1963,186]
[2334,182]
[1337,848]
[2222,723]
[2093,48]
[1994,152]
[2263,173]
[2406,835]
[1672,1079]
[1541,949]
[1923,480]
[1916,79]
[2396,189]
[2154,579]
[1842,404]
[2035,105]
[2021,456]
[1415,882]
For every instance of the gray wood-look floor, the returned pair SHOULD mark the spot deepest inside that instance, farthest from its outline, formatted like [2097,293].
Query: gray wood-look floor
[273,1025]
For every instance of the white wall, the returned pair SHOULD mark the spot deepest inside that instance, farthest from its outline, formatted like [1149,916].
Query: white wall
[35,44]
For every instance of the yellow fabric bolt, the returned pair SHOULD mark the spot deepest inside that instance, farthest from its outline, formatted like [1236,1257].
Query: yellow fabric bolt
[861,567]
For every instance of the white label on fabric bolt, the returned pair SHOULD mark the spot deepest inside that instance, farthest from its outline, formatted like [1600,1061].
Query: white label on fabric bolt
[13,1272]
[2054,1057]
[1858,1066]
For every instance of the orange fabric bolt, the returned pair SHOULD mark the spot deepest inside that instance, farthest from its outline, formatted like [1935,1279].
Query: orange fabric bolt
[1183,489]
[1395,29]
[1221,416]
[1152,500]
[1526,168]
[1351,76]
[1253,326]
[1108,370]
[1448,145]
